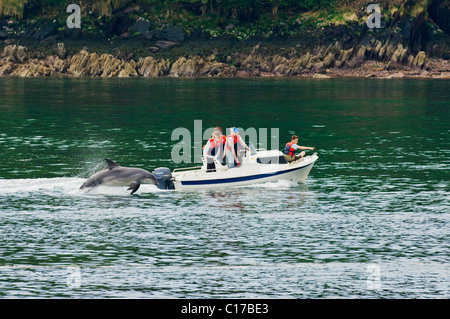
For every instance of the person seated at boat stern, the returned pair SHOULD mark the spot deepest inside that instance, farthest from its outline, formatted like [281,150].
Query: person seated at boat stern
[211,151]
[233,147]
[292,146]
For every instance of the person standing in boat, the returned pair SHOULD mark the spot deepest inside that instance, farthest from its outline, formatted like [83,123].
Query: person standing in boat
[211,151]
[292,146]
[233,146]
[221,143]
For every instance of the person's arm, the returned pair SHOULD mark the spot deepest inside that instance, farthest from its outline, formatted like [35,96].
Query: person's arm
[216,155]
[302,148]
[206,150]
[231,145]
[241,141]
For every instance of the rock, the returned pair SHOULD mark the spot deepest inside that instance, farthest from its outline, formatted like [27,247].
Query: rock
[328,61]
[399,55]
[397,75]
[61,50]
[15,53]
[338,64]
[78,62]
[51,38]
[165,44]
[359,58]
[410,61]
[108,66]
[282,66]
[215,68]
[143,26]
[382,52]
[336,48]
[321,76]
[175,34]
[150,67]
[304,60]
[419,60]
[105,65]
[6,68]
[47,30]
[361,52]
[318,65]
[3,35]
[186,67]
[73,34]
[197,66]
[390,49]
[153,49]
[344,55]
[33,68]
[312,62]
[443,75]
[128,69]
[57,64]
[376,48]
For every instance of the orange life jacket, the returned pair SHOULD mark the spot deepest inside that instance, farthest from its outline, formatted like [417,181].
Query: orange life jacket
[288,150]
[235,138]
[212,147]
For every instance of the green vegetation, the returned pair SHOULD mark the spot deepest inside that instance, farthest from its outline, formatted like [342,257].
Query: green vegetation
[241,9]
[239,19]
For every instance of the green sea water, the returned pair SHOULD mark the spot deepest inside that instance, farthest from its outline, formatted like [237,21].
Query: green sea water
[371,221]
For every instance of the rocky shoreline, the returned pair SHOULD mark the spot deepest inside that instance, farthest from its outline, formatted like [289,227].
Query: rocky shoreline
[412,42]
[137,40]
[372,59]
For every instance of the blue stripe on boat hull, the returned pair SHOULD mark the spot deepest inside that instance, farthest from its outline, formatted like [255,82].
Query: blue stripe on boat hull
[240,179]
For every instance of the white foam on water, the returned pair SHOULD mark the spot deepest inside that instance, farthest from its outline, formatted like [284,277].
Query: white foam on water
[39,185]
[277,184]
[62,185]
[119,190]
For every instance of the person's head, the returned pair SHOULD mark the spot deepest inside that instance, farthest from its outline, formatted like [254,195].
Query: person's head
[218,129]
[236,131]
[215,135]
[232,130]
[294,139]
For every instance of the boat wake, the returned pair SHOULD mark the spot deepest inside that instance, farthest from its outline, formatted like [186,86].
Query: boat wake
[61,186]
[69,186]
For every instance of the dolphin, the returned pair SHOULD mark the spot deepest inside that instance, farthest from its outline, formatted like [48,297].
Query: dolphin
[116,175]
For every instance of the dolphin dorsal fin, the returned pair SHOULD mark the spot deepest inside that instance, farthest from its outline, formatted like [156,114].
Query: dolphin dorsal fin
[111,164]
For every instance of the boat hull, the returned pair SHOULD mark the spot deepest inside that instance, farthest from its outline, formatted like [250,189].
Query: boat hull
[253,174]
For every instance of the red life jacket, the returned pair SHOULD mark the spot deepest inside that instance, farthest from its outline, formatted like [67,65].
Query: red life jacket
[213,145]
[223,140]
[236,138]
[221,143]
[288,150]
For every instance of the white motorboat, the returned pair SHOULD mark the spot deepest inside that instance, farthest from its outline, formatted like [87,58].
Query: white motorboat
[258,166]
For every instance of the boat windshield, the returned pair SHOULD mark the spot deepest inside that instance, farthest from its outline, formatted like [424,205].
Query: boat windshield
[252,149]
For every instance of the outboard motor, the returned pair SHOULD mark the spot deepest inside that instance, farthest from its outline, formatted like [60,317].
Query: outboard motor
[164,177]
